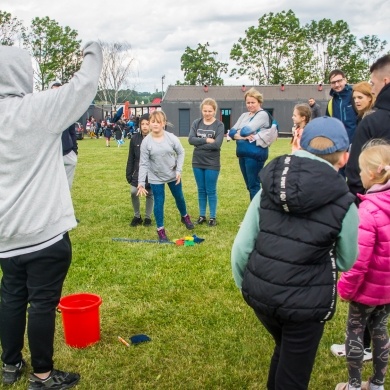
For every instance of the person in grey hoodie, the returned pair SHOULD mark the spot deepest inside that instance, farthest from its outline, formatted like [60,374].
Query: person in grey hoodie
[36,209]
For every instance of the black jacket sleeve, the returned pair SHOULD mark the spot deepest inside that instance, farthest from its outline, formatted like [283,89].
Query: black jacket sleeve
[72,133]
[130,162]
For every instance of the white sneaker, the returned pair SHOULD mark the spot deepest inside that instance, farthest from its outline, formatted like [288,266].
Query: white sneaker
[338,350]
[367,355]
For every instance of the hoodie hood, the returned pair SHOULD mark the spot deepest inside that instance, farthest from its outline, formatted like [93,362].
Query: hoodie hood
[16,76]
[301,185]
[379,195]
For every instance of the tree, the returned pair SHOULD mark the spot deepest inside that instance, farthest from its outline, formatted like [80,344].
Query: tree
[200,66]
[117,66]
[55,49]
[10,29]
[371,47]
[334,47]
[264,54]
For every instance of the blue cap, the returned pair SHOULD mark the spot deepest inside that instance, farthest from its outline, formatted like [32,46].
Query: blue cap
[327,127]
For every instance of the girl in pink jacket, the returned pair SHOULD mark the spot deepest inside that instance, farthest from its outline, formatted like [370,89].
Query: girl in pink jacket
[367,284]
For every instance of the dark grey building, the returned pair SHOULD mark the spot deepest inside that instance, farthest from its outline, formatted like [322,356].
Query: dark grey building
[182,103]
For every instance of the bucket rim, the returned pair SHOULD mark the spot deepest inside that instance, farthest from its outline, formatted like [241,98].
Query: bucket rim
[63,306]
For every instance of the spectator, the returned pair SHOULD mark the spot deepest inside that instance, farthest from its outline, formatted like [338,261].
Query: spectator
[376,125]
[250,156]
[315,108]
[340,105]
[298,231]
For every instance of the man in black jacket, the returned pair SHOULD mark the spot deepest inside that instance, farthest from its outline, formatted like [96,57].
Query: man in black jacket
[375,125]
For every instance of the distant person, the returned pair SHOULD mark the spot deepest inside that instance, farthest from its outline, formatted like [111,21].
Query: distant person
[366,286]
[132,170]
[340,105]
[315,108]
[107,131]
[251,157]
[301,117]
[206,135]
[36,210]
[375,125]
[162,159]
[118,134]
[299,230]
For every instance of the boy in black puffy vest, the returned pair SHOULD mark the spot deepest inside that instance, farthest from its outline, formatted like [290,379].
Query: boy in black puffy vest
[298,231]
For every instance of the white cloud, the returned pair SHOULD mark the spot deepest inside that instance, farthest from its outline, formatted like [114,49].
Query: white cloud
[159,31]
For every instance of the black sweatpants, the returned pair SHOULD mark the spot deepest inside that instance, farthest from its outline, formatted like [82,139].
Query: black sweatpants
[296,345]
[33,279]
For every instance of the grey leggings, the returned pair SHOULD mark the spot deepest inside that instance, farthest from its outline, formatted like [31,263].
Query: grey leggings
[375,317]
[136,202]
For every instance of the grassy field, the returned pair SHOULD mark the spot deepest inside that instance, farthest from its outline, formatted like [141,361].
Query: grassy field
[203,334]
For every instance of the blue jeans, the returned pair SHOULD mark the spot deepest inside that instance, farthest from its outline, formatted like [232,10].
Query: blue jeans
[159,199]
[250,169]
[206,181]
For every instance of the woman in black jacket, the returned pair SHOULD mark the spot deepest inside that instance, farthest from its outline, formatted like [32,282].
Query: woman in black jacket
[132,175]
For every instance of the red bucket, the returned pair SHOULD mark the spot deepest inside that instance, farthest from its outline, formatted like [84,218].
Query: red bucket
[80,317]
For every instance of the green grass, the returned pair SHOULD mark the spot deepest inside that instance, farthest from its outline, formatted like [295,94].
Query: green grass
[203,334]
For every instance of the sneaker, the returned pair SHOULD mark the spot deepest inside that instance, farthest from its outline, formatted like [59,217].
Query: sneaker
[338,350]
[212,222]
[147,222]
[367,355]
[136,221]
[187,221]
[56,380]
[12,373]
[201,220]
[162,236]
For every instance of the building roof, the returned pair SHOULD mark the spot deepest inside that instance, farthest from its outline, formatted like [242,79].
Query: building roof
[228,93]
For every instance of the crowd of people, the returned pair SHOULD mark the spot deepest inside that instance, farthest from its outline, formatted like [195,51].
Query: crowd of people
[320,209]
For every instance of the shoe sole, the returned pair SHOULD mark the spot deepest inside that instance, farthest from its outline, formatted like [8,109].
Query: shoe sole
[63,387]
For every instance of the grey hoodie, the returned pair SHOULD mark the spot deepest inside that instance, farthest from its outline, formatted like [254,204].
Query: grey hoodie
[35,202]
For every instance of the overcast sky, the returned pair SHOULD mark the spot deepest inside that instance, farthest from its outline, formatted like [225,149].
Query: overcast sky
[160,30]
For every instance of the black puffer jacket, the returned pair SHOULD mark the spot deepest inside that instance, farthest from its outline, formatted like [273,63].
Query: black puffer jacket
[132,167]
[291,274]
[375,125]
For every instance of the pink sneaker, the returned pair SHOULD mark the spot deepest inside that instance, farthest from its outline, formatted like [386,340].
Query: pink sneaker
[161,235]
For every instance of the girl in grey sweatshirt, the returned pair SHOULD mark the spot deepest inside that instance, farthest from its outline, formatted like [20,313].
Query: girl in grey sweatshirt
[162,158]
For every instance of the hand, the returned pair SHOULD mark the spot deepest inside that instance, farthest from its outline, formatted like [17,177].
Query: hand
[141,191]
[178,178]
[210,140]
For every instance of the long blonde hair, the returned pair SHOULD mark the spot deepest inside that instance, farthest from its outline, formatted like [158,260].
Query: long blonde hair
[375,159]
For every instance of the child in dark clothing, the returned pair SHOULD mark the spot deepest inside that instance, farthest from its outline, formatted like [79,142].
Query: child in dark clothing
[299,230]
[118,135]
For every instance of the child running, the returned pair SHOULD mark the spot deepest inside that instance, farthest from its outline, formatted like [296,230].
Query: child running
[162,158]
[367,285]
[301,117]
